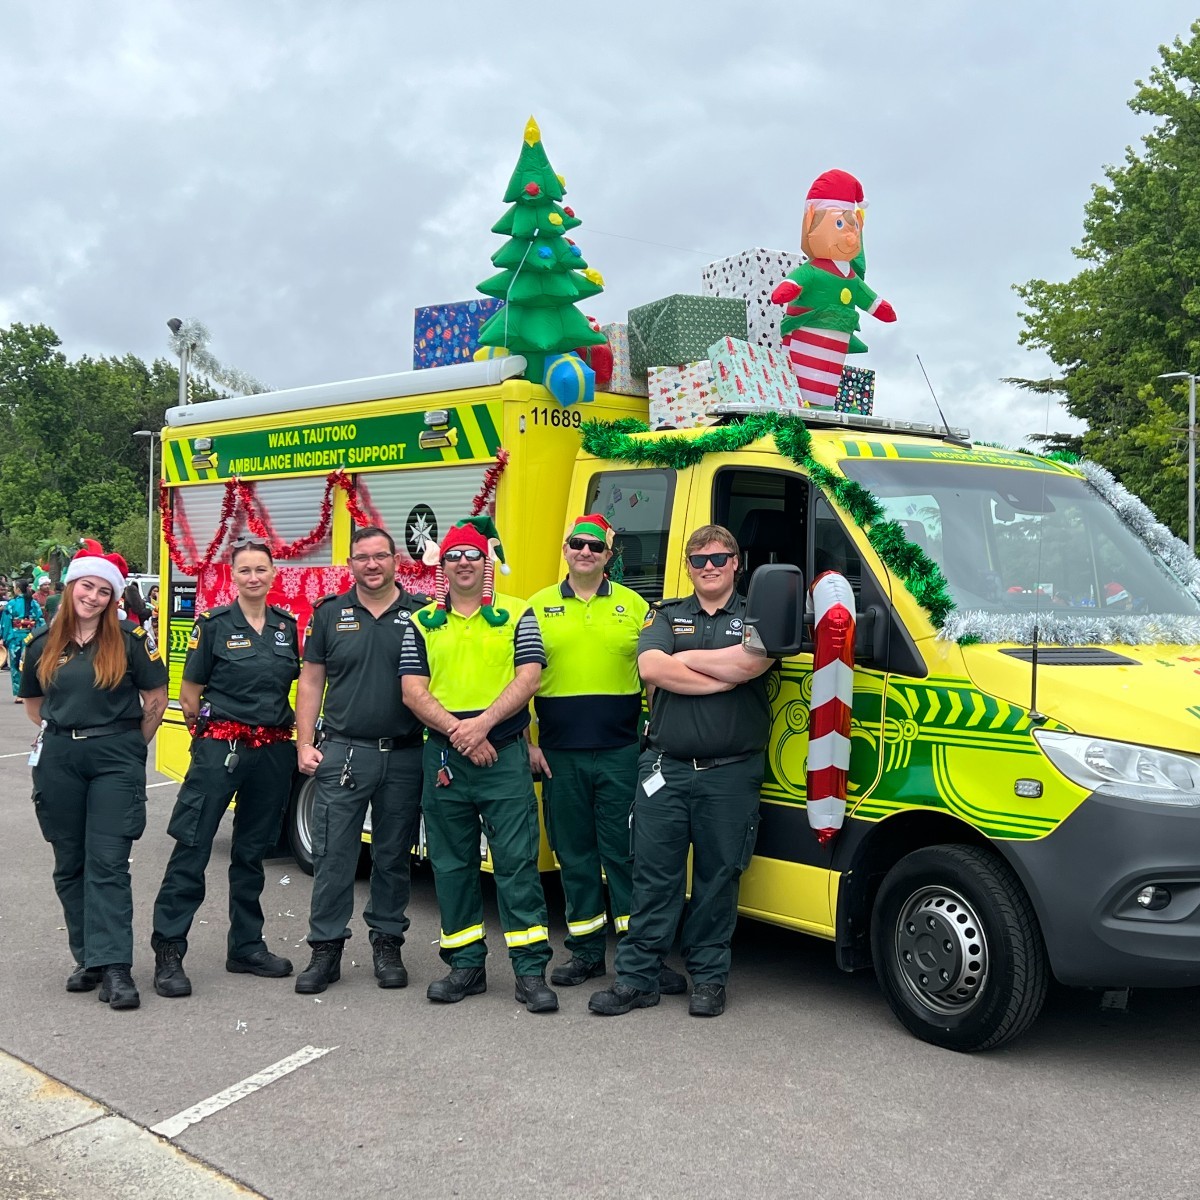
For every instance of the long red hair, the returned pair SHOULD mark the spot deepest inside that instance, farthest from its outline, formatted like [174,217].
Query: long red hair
[110,663]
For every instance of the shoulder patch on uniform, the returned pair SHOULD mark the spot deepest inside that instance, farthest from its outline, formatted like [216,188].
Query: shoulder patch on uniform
[322,599]
[138,631]
[34,634]
[215,612]
[283,612]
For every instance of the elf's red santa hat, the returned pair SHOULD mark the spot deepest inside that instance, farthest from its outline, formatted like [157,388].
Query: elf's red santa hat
[592,525]
[1114,593]
[836,189]
[92,562]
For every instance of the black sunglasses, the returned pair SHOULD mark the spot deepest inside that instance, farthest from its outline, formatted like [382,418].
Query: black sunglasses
[471,554]
[578,543]
[717,560]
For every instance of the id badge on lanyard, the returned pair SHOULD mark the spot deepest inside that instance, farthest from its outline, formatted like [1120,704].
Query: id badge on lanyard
[36,753]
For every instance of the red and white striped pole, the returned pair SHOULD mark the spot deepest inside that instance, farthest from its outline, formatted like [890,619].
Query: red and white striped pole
[831,705]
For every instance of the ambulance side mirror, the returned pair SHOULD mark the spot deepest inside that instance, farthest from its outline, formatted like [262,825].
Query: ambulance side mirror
[775,611]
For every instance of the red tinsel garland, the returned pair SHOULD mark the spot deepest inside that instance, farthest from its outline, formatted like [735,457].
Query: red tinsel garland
[491,477]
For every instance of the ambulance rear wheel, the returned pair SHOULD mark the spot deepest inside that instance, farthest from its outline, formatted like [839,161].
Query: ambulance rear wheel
[299,823]
[957,948]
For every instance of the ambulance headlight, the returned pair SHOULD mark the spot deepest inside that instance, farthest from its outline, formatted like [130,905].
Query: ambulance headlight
[1125,770]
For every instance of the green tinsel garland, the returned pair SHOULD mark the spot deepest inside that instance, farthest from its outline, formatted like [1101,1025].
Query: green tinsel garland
[920,574]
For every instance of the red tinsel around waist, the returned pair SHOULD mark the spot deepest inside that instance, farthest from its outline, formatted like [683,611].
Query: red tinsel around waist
[251,735]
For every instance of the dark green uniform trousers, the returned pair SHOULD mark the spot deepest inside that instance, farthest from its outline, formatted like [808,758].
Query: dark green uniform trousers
[586,804]
[90,800]
[391,782]
[500,798]
[262,780]
[715,811]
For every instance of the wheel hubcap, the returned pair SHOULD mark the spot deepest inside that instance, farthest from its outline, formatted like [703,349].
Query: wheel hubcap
[941,950]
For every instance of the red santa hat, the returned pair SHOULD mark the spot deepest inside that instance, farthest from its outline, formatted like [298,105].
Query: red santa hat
[836,189]
[477,533]
[1114,593]
[91,561]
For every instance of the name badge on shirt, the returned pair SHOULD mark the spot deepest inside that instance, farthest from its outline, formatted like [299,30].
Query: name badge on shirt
[347,626]
[238,643]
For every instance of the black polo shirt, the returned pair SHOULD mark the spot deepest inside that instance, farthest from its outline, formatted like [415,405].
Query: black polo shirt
[726,723]
[74,701]
[361,654]
[246,676]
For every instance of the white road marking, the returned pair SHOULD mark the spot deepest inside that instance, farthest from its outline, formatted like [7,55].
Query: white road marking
[165,783]
[19,754]
[174,1126]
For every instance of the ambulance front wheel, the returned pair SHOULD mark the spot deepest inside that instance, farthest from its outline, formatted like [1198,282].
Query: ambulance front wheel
[957,948]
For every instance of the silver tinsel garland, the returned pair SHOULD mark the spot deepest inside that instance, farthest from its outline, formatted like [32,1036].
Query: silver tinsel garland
[1056,628]
[193,336]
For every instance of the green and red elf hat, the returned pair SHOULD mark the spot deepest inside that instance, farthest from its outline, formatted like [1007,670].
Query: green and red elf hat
[592,525]
[481,534]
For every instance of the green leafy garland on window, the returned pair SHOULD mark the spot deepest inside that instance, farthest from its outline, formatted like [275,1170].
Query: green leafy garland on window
[921,575]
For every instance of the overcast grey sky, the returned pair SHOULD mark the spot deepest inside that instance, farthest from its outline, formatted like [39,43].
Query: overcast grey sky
[300,176]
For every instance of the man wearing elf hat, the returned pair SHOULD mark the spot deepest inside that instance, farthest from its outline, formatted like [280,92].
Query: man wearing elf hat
[824,294]
[588,710]
[469,665]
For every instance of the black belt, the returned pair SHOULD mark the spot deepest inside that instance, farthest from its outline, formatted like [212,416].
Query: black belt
[440,739]
[381,744]
[96,730]
[706,764]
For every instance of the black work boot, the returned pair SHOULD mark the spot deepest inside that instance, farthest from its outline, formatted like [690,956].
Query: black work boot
[389,966]
[460,983]
[620,998]
[324,968]
[117,988]
[169,977]
[575,972]
[83,979]
[708,1000]
[533,992]
[670,982]
[260,962]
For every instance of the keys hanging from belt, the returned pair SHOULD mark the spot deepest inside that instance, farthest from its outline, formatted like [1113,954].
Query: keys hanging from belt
[232,758]
[444,775]
[346,779]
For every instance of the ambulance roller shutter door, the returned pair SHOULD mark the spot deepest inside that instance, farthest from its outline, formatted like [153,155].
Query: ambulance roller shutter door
[293,508]
[421,504]
[197,512]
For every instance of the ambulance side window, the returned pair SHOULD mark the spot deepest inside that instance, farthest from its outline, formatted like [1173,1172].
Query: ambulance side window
[832,548]
[766,511]
[637,504]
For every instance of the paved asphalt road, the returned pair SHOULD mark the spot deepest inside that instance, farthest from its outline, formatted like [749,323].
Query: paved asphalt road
[806,1087]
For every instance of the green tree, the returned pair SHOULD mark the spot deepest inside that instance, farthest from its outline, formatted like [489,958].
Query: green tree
[129,540]
[542,273]
[1133,312]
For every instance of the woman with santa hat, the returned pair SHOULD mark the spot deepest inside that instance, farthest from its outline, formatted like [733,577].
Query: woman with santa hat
[98,691]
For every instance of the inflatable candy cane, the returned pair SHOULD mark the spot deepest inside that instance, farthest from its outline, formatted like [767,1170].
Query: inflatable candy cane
[831,704]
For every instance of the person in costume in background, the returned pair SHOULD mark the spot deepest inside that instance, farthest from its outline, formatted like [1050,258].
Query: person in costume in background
[241,660]
[589,707]
[1116,598]
[19,618]
[823,295]
[469,666]
[99,692]
[52,600]
[369,751]
[698,786]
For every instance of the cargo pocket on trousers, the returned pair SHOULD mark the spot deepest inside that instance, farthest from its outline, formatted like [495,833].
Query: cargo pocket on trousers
[184,825]
[135,816]
[748,845]
[45,823]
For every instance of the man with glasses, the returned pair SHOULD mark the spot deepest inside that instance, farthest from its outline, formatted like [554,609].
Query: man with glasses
[470,664]
[698,783]
[588,710]
[369,751]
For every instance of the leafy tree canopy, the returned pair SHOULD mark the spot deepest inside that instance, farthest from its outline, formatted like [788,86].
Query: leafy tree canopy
[1133,312]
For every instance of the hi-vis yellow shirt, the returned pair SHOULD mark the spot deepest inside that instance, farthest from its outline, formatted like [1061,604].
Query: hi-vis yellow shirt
[590,697]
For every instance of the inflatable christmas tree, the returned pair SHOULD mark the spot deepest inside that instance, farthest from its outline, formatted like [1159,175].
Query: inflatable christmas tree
[542,275]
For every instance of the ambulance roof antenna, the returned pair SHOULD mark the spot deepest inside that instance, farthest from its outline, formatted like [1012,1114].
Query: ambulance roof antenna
[948,436]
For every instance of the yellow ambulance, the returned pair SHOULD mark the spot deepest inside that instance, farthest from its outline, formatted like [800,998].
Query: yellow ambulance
[1021,804]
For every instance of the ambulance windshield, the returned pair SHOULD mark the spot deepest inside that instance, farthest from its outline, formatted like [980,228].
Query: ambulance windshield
[1012,539]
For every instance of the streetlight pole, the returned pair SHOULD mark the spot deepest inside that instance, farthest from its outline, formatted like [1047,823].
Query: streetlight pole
[175,325]
[1191,488]
[149,433]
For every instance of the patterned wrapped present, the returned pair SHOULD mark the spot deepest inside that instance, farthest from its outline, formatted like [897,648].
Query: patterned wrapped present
[680,397]
[856,392]
[624,382]
[680,329]
[749,374]
[752,276]
[444,334]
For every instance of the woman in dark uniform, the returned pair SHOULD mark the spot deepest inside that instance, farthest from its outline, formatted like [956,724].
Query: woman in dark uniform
[99,692]
[240,665]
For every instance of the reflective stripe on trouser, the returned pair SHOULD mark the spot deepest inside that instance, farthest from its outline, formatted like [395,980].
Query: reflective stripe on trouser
[501,797]
[463,937]
[587,821]
[391,783]
[262,781]
[715,812]
[90,799]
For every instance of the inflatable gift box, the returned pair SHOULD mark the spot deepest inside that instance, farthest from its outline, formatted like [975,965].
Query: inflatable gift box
[681,397]
[679,329]
[856,392]
[624,382]
[444,334]
[756,375]
[752,276]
